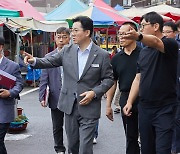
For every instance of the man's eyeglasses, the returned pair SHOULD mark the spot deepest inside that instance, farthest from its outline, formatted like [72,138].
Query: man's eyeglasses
[121,34]
[167,32]
[62,37]
[141,26]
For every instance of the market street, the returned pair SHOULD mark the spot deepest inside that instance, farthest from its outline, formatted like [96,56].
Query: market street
[38,137]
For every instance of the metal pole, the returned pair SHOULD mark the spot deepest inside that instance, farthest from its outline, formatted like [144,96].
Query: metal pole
[17,60]
[17,45]
[107,39]
[34,81]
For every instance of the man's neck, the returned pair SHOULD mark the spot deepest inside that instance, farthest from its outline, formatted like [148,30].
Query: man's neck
[84,44]
[128,50]
[59,49]
[159,35]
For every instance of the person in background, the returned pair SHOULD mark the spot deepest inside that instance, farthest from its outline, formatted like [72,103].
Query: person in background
[115,50]
[8,96]
[178,32]
[87,76]
[155,83]
[20,60]
[170,31]
[178,93]
[52,77]
[124,66]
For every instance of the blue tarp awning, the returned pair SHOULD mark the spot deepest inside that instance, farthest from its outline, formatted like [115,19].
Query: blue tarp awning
[118,7]
[66,9]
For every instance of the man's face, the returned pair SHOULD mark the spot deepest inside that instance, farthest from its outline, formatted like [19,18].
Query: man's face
[178,30]
[168,32]
[1,48]
[78,34]
[147,28]
[62,39]
[122,31]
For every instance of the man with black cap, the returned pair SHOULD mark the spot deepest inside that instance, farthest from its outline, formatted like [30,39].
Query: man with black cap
[8,96]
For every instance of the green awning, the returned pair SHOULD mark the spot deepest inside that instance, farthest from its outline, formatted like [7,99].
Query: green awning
[9,13]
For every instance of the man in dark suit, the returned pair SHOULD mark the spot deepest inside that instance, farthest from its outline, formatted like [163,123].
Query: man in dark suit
[8,96]
[52,77]
[87,76]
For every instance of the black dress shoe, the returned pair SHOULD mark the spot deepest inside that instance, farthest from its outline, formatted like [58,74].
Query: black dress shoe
[117,110]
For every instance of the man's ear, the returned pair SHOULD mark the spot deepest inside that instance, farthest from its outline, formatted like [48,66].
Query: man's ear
[156,27]
[87,32]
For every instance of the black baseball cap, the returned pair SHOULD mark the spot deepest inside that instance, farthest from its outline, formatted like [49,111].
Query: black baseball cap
[2,40]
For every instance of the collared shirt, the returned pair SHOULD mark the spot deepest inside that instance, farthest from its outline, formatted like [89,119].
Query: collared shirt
[82,58]
[1,59]
[61,69]
[124,68]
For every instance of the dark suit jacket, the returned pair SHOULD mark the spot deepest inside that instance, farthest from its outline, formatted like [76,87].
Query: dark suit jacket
[7,104]
[52,78]
[97,76]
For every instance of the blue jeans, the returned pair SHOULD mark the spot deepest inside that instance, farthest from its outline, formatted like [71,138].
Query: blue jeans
[96,130]
[3,130]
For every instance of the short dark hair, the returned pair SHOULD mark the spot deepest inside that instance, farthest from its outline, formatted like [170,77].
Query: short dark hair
[2,40]
[22,47]
[153,18]
[86,22]
[178,23]
[132,24]
[172,25]
[63,30]
[114,47]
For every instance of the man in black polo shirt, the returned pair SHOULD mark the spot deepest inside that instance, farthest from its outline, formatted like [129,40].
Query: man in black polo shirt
[155,83]
[124,66]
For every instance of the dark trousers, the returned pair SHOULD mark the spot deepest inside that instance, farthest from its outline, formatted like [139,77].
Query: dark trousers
[130,126]
[58,121]
[176,133]
[156,129]
[3,130]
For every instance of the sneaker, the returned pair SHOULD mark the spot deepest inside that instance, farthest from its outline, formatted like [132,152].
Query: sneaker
[94,141]
[61,153]
[117,110]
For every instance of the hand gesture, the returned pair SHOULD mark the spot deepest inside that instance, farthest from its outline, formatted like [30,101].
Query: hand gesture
[131,34]
[127,109]
[43,104]
[109,113]
[87,97]
[28,59]
[4,93]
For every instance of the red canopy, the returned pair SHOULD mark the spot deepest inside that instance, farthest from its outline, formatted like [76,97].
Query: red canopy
[22,5]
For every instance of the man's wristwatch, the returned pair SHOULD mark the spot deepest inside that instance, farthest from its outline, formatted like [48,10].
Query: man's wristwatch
[140,37]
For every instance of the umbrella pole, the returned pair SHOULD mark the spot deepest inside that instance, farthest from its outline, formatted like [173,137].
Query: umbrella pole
[54,40]
[17,60]
[34,81]
[107,39]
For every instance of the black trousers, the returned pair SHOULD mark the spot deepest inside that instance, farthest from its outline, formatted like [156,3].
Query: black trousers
[176,133]
[156,129]
[130,126]
[58,121]
[3,130]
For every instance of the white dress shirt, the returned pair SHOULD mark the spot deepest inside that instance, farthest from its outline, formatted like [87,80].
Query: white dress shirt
[82,58]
